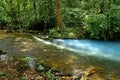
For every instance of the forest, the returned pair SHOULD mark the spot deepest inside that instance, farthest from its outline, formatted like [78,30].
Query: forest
[59,39]
[91,19]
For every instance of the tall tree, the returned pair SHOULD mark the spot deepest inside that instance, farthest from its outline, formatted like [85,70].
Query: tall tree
[58,14]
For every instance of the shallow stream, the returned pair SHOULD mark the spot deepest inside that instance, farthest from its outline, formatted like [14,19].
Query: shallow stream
[59,54]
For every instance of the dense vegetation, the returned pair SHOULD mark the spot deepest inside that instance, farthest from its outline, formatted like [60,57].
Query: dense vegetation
[95,19]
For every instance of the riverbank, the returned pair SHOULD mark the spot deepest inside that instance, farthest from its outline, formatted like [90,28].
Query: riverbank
[24,68]
[19,69]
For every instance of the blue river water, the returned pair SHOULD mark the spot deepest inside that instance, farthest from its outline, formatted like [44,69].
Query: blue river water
[101,49]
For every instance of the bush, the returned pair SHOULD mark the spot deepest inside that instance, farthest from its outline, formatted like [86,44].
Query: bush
[65,32]
[73,17]
[97,26]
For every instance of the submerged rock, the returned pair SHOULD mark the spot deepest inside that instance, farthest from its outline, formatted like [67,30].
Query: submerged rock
[77,74]
[3,57]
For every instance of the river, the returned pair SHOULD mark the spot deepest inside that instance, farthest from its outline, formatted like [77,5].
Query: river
[68,55]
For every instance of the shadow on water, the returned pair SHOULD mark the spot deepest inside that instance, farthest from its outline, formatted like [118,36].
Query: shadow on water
[57,55]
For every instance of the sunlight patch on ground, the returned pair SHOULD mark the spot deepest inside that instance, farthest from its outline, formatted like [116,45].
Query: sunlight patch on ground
[3,34]
[24,50]
[71,59]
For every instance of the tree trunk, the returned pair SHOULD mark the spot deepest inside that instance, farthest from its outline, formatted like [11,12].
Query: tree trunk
[58,14]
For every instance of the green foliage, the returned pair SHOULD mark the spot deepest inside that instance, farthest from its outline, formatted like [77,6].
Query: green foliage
[47,71]
[23,78]
[65,32]
[99,18]
[19,14]
[73,17]
[97,25]
[114,18]
[41,68]
[23,63]
[26,59]
[50,75]
[2,73]
[53,32]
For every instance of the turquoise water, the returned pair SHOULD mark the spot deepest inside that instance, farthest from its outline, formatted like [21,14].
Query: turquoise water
[103,49]
[83,54]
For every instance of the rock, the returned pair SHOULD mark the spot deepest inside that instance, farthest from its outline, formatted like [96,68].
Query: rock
[0,51]
[77,74]
[3,57]
[44,37]
[71,35]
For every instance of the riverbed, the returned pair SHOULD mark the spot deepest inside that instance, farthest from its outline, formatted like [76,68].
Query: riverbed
[63,60]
